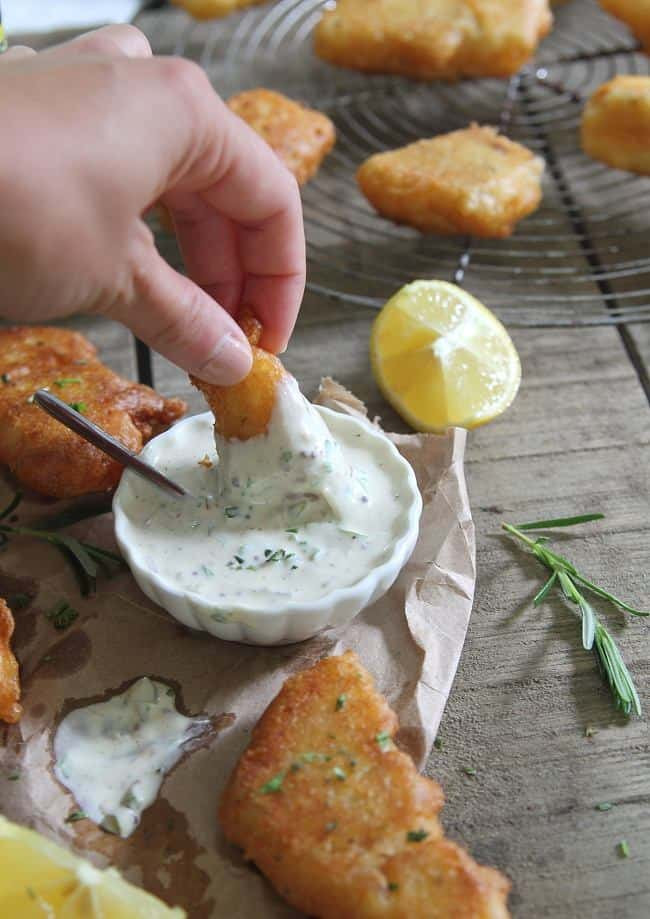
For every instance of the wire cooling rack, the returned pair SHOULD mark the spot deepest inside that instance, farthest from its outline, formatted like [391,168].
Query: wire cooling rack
[581,259]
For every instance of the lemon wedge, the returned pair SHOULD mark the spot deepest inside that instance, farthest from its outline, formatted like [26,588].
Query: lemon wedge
[40,880]
[442,359]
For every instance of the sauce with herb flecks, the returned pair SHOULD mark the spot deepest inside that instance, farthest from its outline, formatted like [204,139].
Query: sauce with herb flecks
[291,514]
[113,755]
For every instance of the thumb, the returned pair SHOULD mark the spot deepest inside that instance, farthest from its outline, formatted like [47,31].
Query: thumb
[178,319]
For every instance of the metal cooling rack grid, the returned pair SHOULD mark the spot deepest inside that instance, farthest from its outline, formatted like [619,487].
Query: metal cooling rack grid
[581,259]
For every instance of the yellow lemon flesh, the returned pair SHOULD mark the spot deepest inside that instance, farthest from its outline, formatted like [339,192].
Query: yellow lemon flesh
[442,359]
[39,879]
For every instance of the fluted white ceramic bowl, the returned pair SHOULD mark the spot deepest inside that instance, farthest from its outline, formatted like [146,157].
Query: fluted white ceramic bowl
[290,621]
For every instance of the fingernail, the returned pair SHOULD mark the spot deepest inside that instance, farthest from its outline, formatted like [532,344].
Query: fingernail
[230,362]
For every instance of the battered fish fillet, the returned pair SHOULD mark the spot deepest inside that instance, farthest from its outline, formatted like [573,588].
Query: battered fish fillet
[213,9]
[429,39]
[10,710]
[635,14]
[301,136]
[41,452]
[616,124]
[472,182]
[244,410]
[338,819]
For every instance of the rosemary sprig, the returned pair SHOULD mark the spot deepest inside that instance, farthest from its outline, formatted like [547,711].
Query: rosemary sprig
[85,558]
[571,582]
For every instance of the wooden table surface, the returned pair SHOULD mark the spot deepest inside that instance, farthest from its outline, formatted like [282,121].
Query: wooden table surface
[575,440]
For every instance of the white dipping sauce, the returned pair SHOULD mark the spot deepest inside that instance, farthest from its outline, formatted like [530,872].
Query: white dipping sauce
[113,756]
[290,514]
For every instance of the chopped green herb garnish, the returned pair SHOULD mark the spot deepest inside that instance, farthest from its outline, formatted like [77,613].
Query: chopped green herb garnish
[208,572]
[291,530]
[623,849]
[393,886]
[286,456]
[19,601]
[31,893]
[62,616]
[314,757]
[604,806]
[4,377]
[231,511]
[573,585]
[331,826]
[78,406]
[340,702]
[13,776]
[74,816]
[280,555]
[66,381]
[384,740]
[416,835]
[469,770]
[295,767]
[339,773]
[273,785]
[437,743]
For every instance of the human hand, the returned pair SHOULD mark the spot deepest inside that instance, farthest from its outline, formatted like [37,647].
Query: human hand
[93,133]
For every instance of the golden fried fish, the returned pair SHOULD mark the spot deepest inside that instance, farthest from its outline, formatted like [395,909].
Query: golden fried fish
[244,410]
[301,136]
[42,453]
[635,14]
[10,710]
[615,124]
[472,181]
[432,39]
[214,9]
[338,819]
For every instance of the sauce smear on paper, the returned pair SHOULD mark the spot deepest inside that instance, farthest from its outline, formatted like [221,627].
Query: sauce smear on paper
[114,755]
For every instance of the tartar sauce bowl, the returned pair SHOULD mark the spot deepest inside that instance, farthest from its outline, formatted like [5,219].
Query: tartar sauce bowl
[284,621]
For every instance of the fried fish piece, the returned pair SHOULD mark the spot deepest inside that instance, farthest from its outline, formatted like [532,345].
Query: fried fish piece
[338,818]
[214,9]
[42,453]
[244,410]
[635,14]
[615,125]
[302,137]
[431,39]
[472,181]
[10,710]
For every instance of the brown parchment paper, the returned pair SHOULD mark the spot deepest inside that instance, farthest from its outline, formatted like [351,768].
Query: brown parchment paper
[410,640]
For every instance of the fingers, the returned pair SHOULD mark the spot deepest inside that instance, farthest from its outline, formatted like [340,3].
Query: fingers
[223,167]
[209,245]
[113,41]
[15,53]
[175,317]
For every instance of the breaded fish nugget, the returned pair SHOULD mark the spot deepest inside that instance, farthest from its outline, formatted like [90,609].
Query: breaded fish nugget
[10,710]
[244,410]
[301,136]
[472,181]
[430,39]
[42,453]
[214,9]
[615,124]
[338,819]
[635,14]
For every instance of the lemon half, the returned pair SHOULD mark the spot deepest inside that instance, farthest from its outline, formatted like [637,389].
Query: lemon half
[442,359]
[39,880]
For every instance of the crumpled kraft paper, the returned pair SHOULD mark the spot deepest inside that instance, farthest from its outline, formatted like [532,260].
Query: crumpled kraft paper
[410,641]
